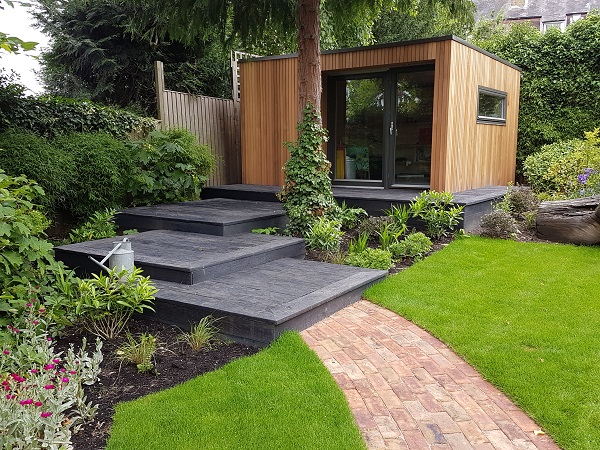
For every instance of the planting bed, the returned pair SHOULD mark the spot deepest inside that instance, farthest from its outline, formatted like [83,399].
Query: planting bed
[174,363]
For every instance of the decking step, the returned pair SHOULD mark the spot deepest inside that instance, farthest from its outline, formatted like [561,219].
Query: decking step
[187,258]
[218,216]
[255,305]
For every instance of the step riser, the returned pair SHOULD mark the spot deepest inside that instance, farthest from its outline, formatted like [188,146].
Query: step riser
[245,330]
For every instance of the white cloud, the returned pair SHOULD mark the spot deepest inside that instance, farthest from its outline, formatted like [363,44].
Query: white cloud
[18,22]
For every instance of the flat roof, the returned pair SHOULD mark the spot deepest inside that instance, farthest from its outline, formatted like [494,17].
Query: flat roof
[393,44]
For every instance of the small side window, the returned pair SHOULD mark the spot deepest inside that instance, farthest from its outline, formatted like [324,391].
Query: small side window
[491,108]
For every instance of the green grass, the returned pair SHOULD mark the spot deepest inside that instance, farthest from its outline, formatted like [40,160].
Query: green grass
[527,316]
[281,398]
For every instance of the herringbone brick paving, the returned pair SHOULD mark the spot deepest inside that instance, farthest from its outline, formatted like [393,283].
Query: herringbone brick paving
[408,390]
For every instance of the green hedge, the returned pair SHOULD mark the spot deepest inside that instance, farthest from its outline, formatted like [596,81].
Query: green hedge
[81,172]
[560,95]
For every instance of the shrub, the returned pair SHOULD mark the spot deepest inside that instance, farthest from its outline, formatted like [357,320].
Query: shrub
[139,352]
[324,234]
[107,302]
[536,167]
[572,168]
[372,225]
[56,116]
[268,230]
[24,254]
[24,153]
[42,391]
[27,263]
[306,192]
[168,167]
[399,215]
[350,217]
[201,335]
[101,225]
[499,224]
[371,258]
[82,172]
[437,211]
[103,164]
[359,244]
[389,234]
[415,245]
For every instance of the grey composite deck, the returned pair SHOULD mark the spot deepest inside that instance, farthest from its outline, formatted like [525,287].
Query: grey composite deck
[256,305]
[187,258]
[222,217]
[476,202]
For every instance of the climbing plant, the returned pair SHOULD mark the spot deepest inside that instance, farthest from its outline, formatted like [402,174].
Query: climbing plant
[306,192]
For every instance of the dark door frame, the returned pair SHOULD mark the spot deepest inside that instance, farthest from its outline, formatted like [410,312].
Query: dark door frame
[389,130]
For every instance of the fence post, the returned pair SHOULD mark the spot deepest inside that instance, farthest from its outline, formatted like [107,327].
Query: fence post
[159,82]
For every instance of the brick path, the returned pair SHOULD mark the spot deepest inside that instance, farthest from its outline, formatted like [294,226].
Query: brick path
[407,390]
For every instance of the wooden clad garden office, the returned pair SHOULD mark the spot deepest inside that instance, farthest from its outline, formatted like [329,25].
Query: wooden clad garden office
[438,113]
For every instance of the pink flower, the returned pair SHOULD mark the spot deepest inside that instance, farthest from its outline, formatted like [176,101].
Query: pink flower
[28,305]
[38,404]
[42,310]
[33,371]
[49,339]
[49,367]
[9,327]
[10,397]
[49,386]
[35,322]
[46,414]
[6,352]
[65,380]
[16,330]
[76,362]
[29,401]
[73,372]
[56,360]
[63,370]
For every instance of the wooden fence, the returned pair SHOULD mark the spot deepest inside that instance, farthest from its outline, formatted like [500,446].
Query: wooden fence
[214,121]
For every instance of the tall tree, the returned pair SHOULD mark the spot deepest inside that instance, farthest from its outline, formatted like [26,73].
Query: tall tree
[249,19]
[92,55]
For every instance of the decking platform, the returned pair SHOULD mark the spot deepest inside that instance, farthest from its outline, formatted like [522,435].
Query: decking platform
[257,285]
[257,304]
[186,258]
[219,216]
[476,202]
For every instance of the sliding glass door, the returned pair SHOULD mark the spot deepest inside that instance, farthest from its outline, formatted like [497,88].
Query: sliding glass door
[380,127]
[413,128]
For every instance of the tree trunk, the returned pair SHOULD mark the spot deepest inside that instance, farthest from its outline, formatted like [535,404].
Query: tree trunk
[570,221]
[309,55]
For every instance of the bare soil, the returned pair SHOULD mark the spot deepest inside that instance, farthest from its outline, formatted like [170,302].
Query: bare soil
[174,363]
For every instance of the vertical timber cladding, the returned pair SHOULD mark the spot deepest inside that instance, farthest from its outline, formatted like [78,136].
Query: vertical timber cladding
[464,154]
[479,154]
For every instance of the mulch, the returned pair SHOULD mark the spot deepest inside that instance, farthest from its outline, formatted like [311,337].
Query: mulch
[174,363]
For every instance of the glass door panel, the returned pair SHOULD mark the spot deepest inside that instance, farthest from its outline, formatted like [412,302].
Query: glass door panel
[414,124]
[359,129]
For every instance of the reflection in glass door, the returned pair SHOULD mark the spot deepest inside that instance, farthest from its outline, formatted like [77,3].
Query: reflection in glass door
[359,130]
[413,125]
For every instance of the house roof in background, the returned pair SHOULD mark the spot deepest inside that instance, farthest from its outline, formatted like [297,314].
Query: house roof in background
[548,10]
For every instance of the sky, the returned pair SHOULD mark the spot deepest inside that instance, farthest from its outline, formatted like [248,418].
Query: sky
[17,22]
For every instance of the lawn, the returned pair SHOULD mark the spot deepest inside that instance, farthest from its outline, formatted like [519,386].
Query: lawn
[281,398]
[526,315]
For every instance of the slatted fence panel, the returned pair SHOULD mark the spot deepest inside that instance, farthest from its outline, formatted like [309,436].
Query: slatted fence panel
[214,121]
